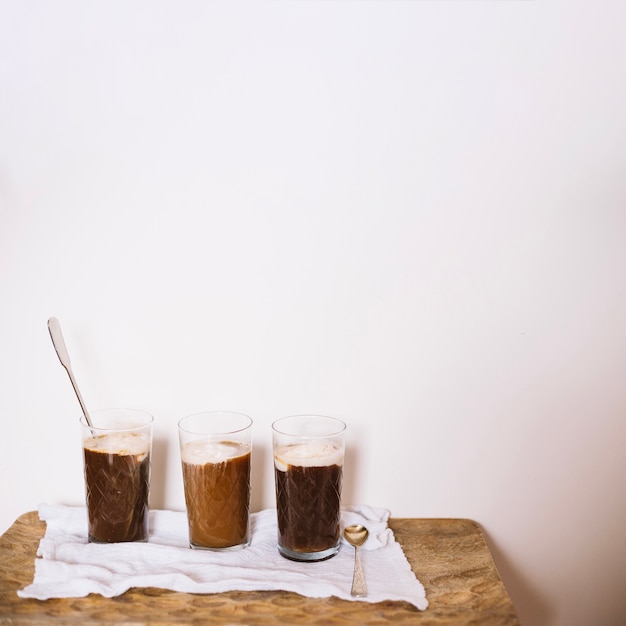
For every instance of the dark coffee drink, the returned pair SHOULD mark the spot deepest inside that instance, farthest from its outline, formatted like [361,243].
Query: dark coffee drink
[308,500]
[216,477]
[117,479]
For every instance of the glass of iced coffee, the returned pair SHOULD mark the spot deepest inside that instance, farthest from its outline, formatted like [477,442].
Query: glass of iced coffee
[117,474]
[308,469]
[215,450]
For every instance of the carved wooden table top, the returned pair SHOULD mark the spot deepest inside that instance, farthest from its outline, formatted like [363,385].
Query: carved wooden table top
[449,556]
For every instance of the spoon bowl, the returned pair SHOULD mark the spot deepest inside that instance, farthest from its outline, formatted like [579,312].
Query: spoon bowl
[356,535]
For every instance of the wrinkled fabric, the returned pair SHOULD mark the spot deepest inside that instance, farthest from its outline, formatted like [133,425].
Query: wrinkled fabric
[68,566]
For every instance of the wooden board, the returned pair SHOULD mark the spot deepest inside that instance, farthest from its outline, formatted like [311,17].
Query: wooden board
[449,556]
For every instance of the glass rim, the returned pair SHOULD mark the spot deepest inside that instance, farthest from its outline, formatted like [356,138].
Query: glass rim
[148,420]
[341,425]
[232,431]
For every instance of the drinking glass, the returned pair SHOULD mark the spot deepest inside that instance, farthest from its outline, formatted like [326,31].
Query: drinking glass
[308,469]
[116,453]
[215,450]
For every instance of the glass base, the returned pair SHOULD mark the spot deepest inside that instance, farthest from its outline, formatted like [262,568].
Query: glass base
[92,539]
[311,557]
[239,546]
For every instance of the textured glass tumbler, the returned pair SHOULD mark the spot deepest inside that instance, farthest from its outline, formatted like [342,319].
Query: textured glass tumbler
[117,454]
[215,450]
[308,469]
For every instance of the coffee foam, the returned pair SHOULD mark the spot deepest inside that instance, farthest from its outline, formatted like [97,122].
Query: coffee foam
[310,454]
[124,444]
[203,452]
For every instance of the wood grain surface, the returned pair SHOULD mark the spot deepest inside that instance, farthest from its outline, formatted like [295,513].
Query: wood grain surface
[449,556]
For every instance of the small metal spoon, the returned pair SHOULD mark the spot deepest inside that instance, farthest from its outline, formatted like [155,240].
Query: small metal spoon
[54,328]
[356,536]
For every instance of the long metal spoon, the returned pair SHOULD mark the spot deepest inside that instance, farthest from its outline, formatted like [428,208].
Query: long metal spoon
[54,328]
[356,536]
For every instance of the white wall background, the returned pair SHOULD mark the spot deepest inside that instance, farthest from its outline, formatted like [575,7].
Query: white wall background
[410,215]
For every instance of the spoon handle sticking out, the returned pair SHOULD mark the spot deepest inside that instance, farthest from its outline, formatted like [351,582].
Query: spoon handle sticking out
[359,588]
[54,328]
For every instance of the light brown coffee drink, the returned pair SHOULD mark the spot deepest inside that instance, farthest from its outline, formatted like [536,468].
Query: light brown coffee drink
[216,478]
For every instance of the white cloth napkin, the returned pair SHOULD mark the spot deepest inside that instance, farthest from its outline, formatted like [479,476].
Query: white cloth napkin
[71,567]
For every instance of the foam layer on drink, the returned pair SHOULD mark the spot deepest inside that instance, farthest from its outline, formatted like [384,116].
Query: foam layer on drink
[203,452]
[310,454]
[123,444]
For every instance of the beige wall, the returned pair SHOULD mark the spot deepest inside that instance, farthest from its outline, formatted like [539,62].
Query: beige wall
[409,215]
